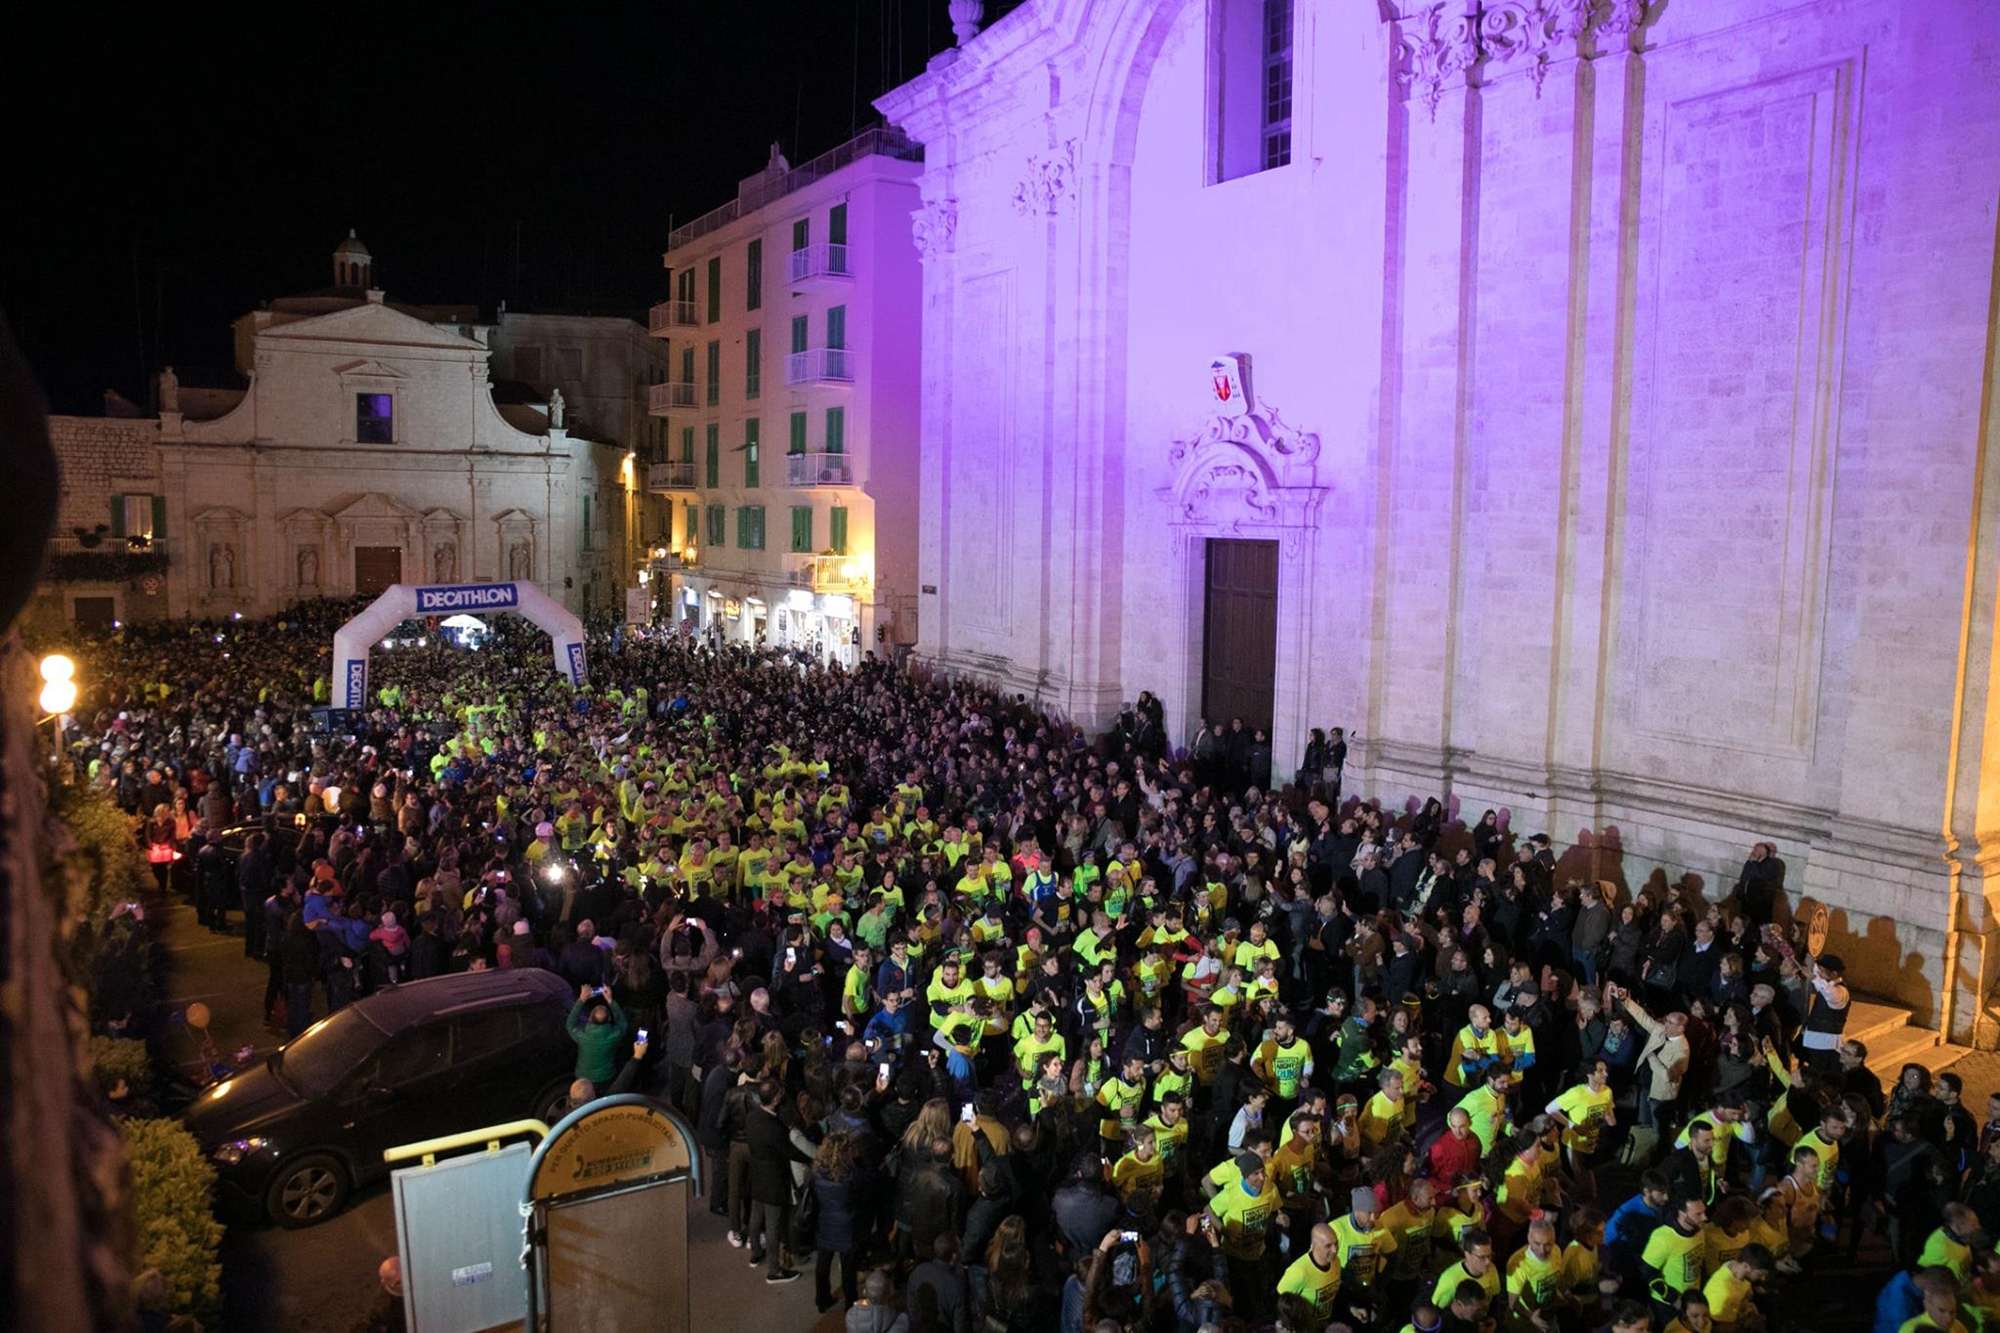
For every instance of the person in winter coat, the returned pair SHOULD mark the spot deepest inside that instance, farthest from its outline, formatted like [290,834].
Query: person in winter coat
[934,1199]
[840,1230]
[772,1153]
[874,1312]
[711,1132]
[597,1026]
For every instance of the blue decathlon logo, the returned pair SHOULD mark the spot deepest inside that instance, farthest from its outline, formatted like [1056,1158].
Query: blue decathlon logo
[357,683]
[575,663]
[468,597]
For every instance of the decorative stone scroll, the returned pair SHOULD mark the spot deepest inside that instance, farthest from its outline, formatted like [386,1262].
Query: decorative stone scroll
[1438,42]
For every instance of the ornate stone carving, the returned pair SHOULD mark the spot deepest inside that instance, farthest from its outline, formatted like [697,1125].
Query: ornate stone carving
[1262,430]
[1252,470]
[1051,179]
[1433,48]
[1532,28]
[1437,43]
[934,228]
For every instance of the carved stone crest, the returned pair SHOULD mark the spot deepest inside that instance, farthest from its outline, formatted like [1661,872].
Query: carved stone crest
[1050,180]
[934,228]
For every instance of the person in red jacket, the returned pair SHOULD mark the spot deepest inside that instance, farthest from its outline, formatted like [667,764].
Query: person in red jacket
[1455,1153]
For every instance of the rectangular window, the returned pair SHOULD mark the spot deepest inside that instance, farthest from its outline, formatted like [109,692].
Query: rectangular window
[800,332]
[802,232]
[1251,74]
[689,523]
[753,363]
[802,529]
[714,388]
[715,289]
[586,523]
[684,286]
[716,530]
[1277,83]
[753,276]
[836,326]
[836,225]
[836,430]
[836,529]
[751,444]
[797,442]
[687,444]
[374,418]
[712,455]
[750,527]
[687,364]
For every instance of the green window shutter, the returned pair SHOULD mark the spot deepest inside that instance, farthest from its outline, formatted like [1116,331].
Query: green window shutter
[753,363]
[717,527]
[118,516]
[836,224]
[836,326]
[757,519]
[687,364]
[836,430]
[159,518]
[714,388]
[798,440]
[799,333]
[712,454]
[801,233]
[715,289]
[752,444]
[687,444]
[802,528]
[753,276]
[836,530]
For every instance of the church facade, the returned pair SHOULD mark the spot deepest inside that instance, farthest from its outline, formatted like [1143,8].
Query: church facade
[1584,402]
[372,446]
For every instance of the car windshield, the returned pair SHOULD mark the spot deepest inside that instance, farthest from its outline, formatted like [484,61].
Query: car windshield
[327,1052]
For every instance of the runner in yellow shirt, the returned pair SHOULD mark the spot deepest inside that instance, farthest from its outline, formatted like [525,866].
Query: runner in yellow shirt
[1730,1289]
[1315,1275]
[1535,1274]
[1582,1112]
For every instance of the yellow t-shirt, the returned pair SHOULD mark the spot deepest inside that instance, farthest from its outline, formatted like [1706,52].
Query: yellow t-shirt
[1320,1286]
[1245,1218]
[1678,1259]
[1452,1278]
[1533,1282]
[1205,1052]
[1728,1296]
[1362,1253]
[1130,1175]
[1586,1110]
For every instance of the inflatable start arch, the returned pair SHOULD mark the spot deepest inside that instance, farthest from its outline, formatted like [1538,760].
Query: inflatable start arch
[401,601]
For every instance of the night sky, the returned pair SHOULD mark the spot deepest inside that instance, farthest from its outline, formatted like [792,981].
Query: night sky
[191,162]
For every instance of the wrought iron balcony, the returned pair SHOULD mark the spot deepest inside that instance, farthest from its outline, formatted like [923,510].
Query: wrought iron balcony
[820,365]
[670,476]
[828,573]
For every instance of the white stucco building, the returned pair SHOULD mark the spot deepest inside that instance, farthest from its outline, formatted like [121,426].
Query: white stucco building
[1604,437]
[370,447]
[791,405]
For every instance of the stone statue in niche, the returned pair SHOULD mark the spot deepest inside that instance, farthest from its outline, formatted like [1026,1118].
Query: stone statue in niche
[444,562]
[170,391]
[556,409]
[520,561]
[309,566]
[221,565]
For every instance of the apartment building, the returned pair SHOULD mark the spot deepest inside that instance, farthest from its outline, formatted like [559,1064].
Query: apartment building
[791,406]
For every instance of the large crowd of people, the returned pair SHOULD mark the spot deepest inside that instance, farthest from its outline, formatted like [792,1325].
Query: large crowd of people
[991,1024]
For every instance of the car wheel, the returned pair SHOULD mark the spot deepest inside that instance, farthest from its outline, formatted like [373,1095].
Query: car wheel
[306,1191]
[551,1104]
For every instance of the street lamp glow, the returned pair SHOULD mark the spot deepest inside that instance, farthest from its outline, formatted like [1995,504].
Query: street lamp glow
[57,667]
[58,696]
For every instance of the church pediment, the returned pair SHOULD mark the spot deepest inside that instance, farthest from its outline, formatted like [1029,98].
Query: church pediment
[373,322]
[366,369]
[373,504]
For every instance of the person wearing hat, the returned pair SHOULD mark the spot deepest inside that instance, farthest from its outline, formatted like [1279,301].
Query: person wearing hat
[1826,1015]
[1238,1220]
[1363,1246]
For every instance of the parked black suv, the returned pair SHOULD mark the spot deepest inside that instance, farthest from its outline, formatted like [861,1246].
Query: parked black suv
[291,1138]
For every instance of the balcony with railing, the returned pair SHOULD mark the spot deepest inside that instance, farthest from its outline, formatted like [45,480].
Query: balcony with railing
[828,573]
[674,475]
[103,558]
[820,365]
[671,396]
[818,469]
[759,190]
[667,316]
[826,260]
